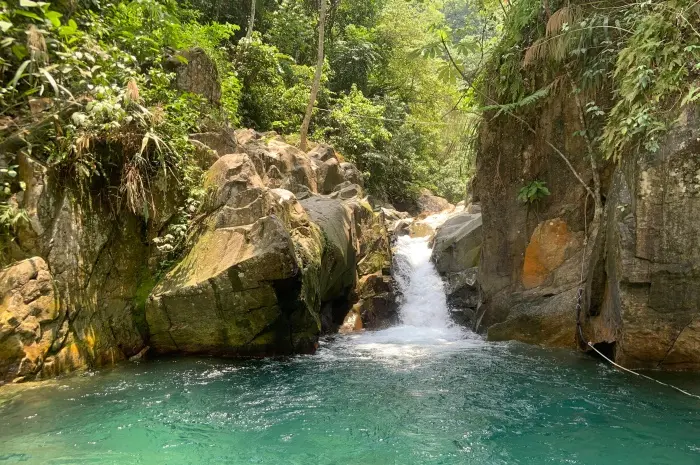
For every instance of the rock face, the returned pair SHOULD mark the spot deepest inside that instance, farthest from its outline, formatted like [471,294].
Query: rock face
[264,274]
[644,278]
[456,252]
[641,301]
[29,318]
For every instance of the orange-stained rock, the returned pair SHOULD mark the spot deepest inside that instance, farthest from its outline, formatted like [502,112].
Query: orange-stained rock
[546,251]
[353,321]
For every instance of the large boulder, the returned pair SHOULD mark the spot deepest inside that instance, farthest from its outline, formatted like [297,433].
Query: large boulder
[457,243]
[428,203]
[339,260]
[456,252]
[249,285]
[279,164]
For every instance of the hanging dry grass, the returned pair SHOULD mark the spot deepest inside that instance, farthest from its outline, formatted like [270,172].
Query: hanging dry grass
[37,46]
[565,15]
[134,186]
[535,52]
[555,44]
[132,92]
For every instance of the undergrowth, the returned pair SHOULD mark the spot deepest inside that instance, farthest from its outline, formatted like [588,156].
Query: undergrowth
[639,60]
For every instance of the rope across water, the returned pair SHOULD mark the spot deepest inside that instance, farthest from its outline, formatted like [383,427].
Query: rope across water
[579,309]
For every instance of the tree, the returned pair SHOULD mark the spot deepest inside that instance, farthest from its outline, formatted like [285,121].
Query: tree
[317,77]
[251,20]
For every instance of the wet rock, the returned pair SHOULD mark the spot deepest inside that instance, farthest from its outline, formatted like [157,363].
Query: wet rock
[377,306]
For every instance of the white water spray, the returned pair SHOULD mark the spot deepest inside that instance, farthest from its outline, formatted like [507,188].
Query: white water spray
[426,326]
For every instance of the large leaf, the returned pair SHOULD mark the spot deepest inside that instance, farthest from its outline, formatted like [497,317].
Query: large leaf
[19,74]
[51,80]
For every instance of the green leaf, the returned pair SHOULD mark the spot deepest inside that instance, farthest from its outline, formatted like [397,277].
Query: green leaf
[27,3]
[51,80]
[19,51]
[28,14]
[181,59]
[54,17]
[19,74]
[5,25]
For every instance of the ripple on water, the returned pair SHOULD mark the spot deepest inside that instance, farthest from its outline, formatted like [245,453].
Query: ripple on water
[420,393]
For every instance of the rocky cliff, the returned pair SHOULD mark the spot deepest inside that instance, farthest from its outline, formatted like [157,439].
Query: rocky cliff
[271,263]
[639,262]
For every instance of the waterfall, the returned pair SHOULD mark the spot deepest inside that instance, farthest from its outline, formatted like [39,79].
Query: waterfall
[424,302]
[425,325]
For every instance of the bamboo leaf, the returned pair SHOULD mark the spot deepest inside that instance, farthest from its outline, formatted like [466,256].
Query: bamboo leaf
[19,74]
[51,80]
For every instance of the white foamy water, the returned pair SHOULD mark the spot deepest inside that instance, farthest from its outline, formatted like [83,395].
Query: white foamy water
[426,327]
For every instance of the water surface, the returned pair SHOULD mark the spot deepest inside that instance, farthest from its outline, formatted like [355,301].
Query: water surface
[424,392]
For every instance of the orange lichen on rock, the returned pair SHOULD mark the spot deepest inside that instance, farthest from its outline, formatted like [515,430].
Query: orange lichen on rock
[545,252]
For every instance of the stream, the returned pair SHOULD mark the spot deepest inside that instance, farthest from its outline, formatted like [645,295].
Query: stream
[422,392]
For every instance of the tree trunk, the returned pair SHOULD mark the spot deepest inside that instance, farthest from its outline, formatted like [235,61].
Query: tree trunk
[317,78]
[251,20]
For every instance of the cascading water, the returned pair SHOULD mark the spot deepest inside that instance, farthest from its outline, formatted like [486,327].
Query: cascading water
[426,326]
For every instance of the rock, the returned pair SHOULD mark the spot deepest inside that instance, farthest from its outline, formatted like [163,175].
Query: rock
[645,300]
[428,203]
[391,215]
[282,165]
[420,229]
[339,256]
[196,73]
[236,293]
[473,208]
[250,284]
[351,174]
[640,261]
[549,246]
[29,318]
[457,244]
[141,356]
[347,191]
[377,306]
[223,142]
[329,176]
[546,321]
[352,322]
[322,153]
[462,289]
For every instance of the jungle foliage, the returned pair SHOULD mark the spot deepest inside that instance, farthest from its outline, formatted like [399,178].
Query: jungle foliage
[85,88]
[633,66]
